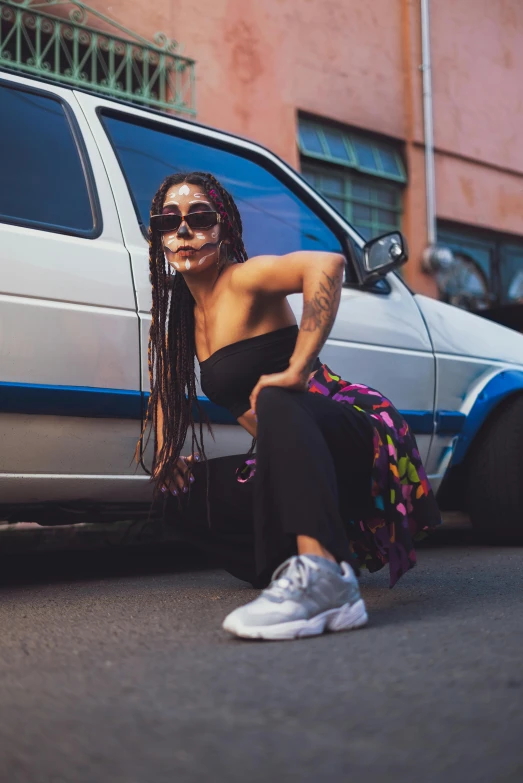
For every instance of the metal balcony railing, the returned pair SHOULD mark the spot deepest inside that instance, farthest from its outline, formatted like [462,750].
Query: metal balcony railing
[52,38]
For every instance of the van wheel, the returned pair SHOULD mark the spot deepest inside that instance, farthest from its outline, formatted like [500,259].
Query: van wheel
[495,477]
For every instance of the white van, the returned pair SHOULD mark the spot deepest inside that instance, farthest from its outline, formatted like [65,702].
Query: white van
[78,173]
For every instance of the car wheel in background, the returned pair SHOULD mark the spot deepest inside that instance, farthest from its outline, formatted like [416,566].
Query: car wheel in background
[495,477]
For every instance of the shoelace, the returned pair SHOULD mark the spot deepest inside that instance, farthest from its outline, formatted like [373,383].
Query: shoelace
[293,572]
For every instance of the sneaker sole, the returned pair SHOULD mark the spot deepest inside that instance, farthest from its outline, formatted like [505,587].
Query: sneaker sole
[344,618]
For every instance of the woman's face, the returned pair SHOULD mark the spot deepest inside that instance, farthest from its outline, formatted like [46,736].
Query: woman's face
[188,249]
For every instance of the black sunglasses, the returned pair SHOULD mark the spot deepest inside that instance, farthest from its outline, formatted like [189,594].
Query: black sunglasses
[195,221]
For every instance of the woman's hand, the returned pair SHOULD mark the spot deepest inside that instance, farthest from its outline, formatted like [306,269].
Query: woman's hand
[182,476]
[292,379]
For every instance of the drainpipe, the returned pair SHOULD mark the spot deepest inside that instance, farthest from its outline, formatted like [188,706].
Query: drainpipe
[430,179]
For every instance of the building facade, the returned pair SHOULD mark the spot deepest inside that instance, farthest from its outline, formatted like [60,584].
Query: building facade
[335,87]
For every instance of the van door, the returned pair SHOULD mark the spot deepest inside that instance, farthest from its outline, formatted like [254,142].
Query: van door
[379,338]
[69,350]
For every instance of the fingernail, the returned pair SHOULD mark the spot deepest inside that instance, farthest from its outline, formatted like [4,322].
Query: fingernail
[253,411]
[174,491]
[197,457]
[185,489]
[163,489]
[191,479]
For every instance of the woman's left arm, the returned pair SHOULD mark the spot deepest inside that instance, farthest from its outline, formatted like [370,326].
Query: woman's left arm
[319,276]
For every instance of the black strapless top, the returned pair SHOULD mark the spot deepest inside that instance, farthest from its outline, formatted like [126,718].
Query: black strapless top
[230,374]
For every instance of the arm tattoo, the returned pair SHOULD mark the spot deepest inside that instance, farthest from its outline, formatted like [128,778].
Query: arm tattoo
[320,311]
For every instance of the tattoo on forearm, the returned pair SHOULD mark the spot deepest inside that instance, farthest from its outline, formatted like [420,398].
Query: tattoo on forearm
[320,311]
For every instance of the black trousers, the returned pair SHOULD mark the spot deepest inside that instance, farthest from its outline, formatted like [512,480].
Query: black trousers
[313,474]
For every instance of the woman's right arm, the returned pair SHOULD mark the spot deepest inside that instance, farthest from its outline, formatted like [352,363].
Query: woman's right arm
[182,474]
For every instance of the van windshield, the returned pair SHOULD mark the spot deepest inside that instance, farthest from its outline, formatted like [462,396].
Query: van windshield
[275,220]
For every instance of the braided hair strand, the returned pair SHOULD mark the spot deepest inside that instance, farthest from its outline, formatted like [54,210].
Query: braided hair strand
[172,349]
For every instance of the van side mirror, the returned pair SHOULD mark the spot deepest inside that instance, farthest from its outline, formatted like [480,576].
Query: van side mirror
[384,253]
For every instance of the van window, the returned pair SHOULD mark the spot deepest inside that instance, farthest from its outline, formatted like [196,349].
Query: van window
[42,178]
[275,220]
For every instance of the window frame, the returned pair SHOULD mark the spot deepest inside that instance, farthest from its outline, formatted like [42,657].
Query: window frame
[349,179]
[227,145]
[349,137]
[85,164]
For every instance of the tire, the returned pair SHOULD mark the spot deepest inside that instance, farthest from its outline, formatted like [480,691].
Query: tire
[494,489]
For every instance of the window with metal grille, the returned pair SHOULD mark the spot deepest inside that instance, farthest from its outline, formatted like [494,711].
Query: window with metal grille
[372,208]
[362,178]
[488,268]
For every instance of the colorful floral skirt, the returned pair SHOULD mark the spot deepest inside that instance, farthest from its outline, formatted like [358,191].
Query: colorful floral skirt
[403,506]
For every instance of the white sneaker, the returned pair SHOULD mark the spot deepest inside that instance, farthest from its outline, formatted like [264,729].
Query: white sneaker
[308,595]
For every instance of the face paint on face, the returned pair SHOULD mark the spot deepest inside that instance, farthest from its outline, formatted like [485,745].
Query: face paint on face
[173,263]
[208,244]
[187,247]
[170,241]
[204,244]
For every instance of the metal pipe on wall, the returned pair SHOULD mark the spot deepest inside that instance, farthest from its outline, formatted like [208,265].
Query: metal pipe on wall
[430,177]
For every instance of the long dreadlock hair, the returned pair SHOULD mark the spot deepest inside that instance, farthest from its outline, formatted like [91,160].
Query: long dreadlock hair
[172,350]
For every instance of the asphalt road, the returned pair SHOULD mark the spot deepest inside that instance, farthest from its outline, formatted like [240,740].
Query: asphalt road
[113,667]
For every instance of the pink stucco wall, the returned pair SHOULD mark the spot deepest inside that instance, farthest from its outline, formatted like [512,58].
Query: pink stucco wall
[478,112]
[483,196]
[259,63]
[478,79]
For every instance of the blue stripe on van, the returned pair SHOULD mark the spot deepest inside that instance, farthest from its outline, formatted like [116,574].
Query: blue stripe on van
[89,401]
[449,422]
[420,422]
[95,402]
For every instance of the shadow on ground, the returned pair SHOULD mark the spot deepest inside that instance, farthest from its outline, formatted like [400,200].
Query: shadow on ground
[31,554]
[26,568]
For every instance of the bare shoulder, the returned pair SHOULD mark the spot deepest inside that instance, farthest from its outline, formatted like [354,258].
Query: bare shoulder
[278,275]
[250,275]
[254,265]
[270,274]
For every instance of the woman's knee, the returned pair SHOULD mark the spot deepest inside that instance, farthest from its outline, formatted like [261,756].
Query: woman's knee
[272,401]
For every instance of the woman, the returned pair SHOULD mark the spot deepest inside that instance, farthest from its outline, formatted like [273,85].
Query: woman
[337,481]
